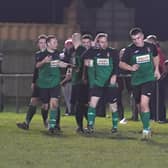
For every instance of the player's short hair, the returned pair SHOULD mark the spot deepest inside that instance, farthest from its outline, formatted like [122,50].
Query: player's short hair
[49,37]
[41,36]
[152,37]
[134,31]
[76,36]
[166,62]
[87,36]
[100,35]
[68,41]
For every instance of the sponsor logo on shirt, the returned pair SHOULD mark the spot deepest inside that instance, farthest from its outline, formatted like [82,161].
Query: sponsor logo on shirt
[54,63]
[148,93]
[103,61]
[136,51]
[98,54]
[108,54]
[143,59]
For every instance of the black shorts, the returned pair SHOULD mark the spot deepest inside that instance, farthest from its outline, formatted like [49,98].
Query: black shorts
[47,93]
[146,89]
[79,93]
[36,91]
[110,94]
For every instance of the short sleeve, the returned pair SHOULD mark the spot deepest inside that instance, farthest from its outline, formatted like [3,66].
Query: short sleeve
[154,51]
[126,56]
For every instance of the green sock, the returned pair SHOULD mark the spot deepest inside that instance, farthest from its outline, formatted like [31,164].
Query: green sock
[30,113]
[115,119]
[145,117]
[91,116]
[142,118]
[52,120]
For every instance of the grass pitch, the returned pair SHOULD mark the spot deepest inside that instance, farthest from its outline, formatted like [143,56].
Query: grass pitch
[36,149]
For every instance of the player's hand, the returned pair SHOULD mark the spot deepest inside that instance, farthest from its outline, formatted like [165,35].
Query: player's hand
[157,74]
[71,66]
[62,83]
[47,59]
[86,62]
[76,69]
[135,67]
[113,80]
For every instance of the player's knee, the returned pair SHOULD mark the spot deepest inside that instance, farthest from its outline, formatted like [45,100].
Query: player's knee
[34,101]
[113,107]
[45,106]
[92,104]
[53,104]
[144,106]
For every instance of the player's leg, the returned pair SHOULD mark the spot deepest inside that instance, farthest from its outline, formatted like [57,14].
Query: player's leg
[44,97]
[112,98]
[44,114]
[29,115]
[92,112]
[54,96]
[114,109]
[81,111]
[58,119]
[147,90]
[136,91]
[121,108]
[81,108]
[73,100]
[76,94]
[75,107]
[95,94]
[120,82]
[53,113]
[69,91]
[31,110]
[66,91]
[145,116]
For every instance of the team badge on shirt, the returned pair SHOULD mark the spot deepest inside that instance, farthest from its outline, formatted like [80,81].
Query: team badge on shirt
[142,59]
[136,51]
[103,61]
[108,54]
[148,49]
[98,54]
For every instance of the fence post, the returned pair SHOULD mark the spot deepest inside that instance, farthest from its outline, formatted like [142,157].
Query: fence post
[17,94]
[1,83]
